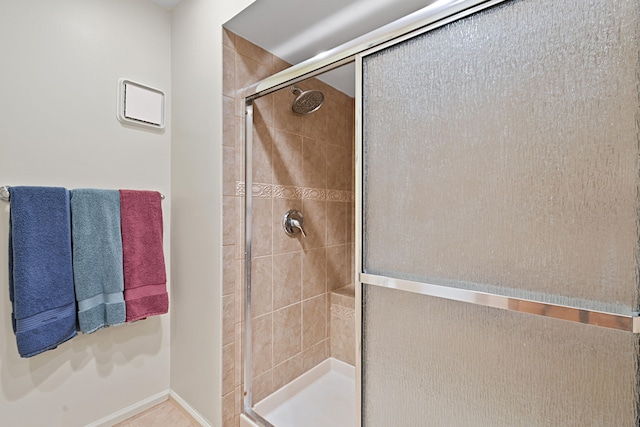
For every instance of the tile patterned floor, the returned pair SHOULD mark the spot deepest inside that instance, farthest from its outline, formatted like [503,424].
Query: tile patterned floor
[166,414]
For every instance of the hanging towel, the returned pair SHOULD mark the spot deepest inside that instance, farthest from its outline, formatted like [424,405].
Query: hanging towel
[145,279]
[97,258]
[40,271]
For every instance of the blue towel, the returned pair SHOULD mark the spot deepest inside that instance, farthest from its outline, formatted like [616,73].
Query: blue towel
[40,271]
[97,258]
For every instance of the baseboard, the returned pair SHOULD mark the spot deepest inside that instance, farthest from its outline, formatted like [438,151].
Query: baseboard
[188,409]
[131,410]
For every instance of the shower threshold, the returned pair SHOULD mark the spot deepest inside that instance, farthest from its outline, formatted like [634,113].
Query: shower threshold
[324,396]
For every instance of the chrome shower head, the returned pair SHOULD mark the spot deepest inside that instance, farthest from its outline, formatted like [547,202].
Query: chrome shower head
[307,101]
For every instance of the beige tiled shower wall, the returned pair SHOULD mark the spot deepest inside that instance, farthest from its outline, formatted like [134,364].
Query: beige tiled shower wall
[299,162]
[343,325]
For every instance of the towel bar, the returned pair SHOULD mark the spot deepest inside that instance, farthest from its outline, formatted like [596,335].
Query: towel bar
[4,193]
[6,196]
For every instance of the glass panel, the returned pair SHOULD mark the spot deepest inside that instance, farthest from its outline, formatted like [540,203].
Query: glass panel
[434,362]
[501,154]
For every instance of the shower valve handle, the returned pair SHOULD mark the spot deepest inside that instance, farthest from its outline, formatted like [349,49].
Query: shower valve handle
[292,221]
[296,224]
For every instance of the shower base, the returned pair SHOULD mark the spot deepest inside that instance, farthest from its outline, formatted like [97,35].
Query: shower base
[323,396]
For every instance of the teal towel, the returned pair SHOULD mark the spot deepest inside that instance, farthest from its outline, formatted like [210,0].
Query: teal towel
[97,258]
[40,272]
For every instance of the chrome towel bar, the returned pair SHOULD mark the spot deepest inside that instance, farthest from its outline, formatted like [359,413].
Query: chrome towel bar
[6,196]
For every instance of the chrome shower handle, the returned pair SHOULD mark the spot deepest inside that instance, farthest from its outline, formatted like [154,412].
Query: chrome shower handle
[293,220]
[296,224]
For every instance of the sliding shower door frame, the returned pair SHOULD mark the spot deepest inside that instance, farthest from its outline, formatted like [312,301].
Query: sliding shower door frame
[433,16]
[573,313]
[582,312]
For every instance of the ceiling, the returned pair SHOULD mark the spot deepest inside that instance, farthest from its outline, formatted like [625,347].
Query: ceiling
[295,30]
[167,4]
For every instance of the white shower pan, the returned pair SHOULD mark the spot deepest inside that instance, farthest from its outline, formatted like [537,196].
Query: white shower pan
[323,396]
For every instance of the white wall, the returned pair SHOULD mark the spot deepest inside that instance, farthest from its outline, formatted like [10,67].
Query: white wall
[59,65]
[196,314]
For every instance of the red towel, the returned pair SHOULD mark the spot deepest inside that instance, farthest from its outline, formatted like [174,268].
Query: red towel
[145,278]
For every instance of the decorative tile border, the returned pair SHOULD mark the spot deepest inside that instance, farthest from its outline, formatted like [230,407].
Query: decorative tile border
[343,312]
[264,191]
[296,193]
[284,192]
[314,194]
[339,196]
[239,188]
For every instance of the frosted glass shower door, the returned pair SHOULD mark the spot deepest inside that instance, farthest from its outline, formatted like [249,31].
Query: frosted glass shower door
[499,219]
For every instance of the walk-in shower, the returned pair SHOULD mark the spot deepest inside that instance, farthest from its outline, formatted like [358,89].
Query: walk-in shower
[509,294]
[299,312]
